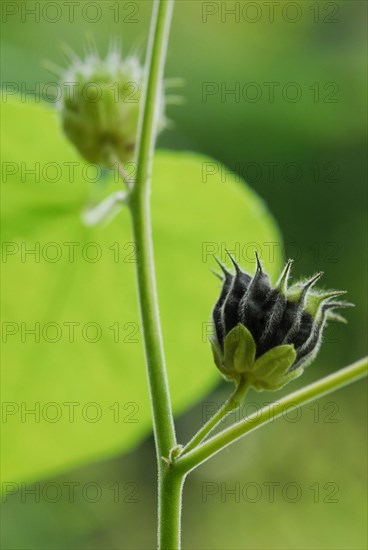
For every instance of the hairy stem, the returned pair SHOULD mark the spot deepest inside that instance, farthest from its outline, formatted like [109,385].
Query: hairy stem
[170,506]
[163,425]
[327,385]
[169,490]
[230,404]
[139,203]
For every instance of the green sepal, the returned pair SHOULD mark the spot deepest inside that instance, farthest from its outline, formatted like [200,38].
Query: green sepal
[270,370]
[217,355]
[239,350]
[237,361]
[239,353]
[291,376]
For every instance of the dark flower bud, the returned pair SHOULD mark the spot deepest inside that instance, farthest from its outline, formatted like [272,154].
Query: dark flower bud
[267,335]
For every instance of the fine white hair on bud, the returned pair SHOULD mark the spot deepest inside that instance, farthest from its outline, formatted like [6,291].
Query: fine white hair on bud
[100,103]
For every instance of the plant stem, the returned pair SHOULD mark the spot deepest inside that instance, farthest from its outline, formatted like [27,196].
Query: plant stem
[230,404]
[170,505]
[327,385]
[163,424]
[170,485]
[139,203]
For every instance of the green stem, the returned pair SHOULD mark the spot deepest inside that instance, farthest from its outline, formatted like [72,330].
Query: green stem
[232,403]
[170,505]
[169,484]
[139,202]
[331,383]
[163,424]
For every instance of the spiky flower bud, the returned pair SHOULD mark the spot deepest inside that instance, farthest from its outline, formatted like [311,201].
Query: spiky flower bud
[100,104]
[268,335]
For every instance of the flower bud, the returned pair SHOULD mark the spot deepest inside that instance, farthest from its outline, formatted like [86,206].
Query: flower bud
[100,105]
[268,335]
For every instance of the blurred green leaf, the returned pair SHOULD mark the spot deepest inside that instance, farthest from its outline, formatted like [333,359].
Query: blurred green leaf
[81,370]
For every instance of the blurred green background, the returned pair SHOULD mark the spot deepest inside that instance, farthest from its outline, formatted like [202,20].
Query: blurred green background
[317,147]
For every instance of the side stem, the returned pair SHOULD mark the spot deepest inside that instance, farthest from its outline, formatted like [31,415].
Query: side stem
[335,381]
[230,404]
